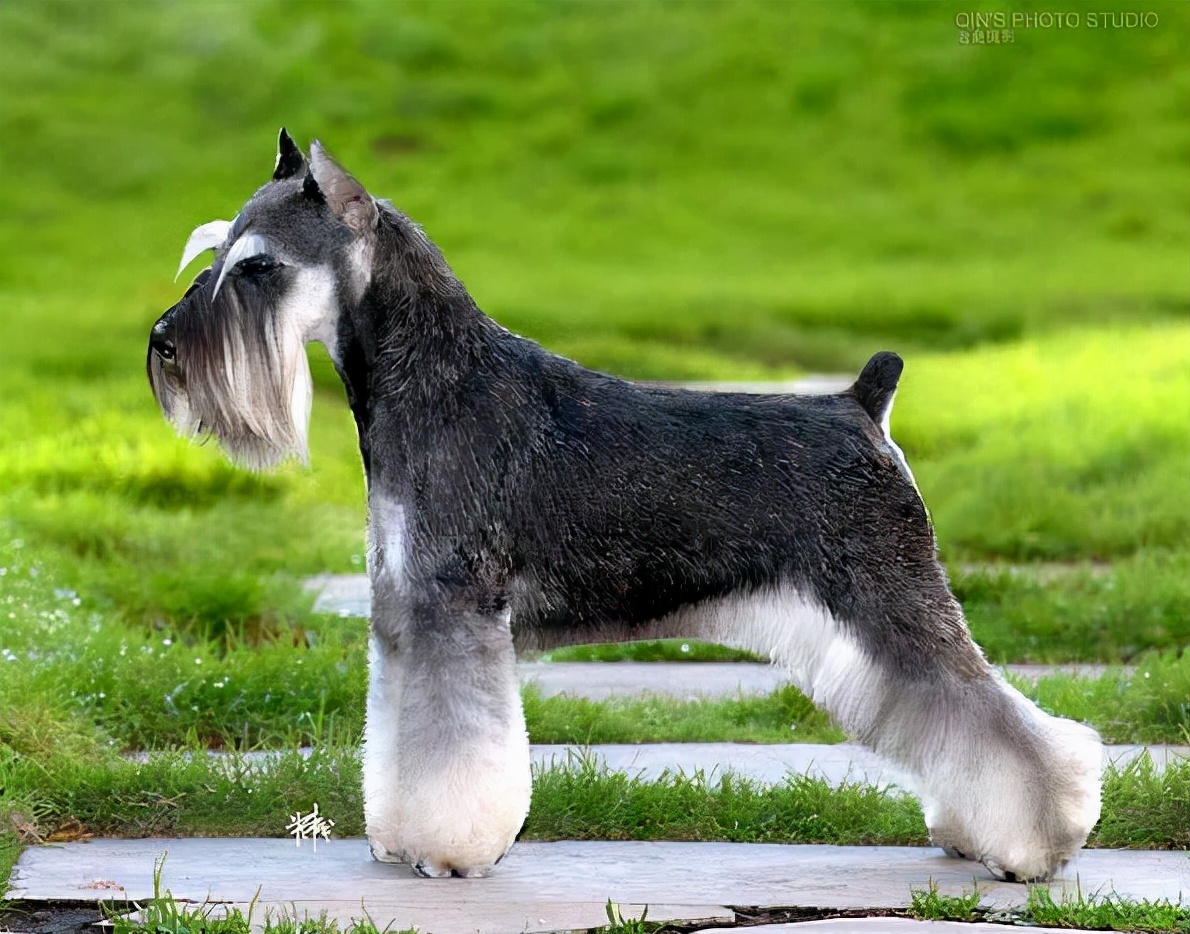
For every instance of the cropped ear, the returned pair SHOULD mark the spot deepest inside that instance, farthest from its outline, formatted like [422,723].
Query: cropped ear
[290,160]
[344,195]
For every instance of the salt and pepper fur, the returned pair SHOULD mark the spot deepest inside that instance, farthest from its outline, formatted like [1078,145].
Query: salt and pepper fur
[518,500]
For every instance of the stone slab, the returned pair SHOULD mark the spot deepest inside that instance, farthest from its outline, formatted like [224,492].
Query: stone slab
[764,763]
[690,680]
[350,595]
[341,594]
[771,764]
[873,926]
[682,680]
[767,764]
[535,876]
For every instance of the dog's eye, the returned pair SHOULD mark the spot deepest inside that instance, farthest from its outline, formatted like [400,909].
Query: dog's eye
[256,265]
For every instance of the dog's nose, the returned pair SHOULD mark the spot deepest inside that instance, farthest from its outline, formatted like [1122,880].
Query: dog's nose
[161,339]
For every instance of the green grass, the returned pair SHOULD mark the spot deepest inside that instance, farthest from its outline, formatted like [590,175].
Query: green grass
[1108,912]
[1150,704]
[71,676]
[189,794]
[163,914]
[785,716]
[1055,448]
[929,904]
[657,214]
[1064,613]
[651,650]
[1072,909]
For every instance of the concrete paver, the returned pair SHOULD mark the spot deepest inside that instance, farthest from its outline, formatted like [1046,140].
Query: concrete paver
[873,926]
[682,680]
[771,764]
[350,595]
[766,764]
[689,680]
[536,886]
[763,763]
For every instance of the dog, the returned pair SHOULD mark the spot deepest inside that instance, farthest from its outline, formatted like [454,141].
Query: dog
[519,501]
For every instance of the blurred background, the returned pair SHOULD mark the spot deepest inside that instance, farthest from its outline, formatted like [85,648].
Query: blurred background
[677,190]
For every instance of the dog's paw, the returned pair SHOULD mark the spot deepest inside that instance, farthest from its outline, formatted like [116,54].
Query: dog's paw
[1008,875]
[431,869]
[382,854]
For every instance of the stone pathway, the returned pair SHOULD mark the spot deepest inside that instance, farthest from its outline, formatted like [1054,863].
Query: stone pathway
[350,595]
[556,886]
[689,680]
[772,764]
[763,763]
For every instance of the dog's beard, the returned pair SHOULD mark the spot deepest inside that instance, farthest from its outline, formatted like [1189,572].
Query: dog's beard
[239,376]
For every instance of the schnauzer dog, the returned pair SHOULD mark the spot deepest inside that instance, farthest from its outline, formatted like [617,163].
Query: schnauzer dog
[519,501]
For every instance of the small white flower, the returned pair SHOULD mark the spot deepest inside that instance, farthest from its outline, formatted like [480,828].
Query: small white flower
[167,641]
[685,647]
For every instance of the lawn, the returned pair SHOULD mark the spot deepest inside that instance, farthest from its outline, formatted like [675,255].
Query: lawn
[681,191]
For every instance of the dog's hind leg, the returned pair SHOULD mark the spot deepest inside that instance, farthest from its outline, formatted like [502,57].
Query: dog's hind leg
[1000,781]
[446,755]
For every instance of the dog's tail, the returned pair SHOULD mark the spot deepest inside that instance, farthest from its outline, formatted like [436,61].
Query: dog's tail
[877,384]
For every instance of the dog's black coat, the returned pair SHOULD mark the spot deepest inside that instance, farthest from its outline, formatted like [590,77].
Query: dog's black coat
[621,503]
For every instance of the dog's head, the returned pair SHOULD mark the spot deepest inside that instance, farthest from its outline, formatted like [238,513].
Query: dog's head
[228,360]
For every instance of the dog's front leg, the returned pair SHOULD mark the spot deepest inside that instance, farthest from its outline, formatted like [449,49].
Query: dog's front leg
[446,757]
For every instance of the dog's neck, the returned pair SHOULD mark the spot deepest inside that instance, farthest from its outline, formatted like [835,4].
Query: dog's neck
[408,342]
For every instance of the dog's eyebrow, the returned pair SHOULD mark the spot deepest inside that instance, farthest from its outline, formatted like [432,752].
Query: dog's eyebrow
[246,246]
[205,237]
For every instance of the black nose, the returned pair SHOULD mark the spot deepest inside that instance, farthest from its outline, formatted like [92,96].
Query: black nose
[161,339]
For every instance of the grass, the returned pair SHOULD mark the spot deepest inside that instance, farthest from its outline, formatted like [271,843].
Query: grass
[70,676]
[1064,613]
[162,914]
[1072,909]
[929,904]
[784,716]
[1150,704]
[802,227]
[187,793]
[1104,913]
[651,650]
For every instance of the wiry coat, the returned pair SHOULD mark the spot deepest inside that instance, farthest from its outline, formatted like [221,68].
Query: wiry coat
[515,496]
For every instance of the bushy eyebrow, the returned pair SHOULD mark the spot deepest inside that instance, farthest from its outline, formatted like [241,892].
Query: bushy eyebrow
[208,236]
[245,247]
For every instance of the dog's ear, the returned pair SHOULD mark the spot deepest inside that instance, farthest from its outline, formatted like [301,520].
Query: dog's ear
[290,160]
[344,195]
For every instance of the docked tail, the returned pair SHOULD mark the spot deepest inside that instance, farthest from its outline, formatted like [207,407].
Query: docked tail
[877,384]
